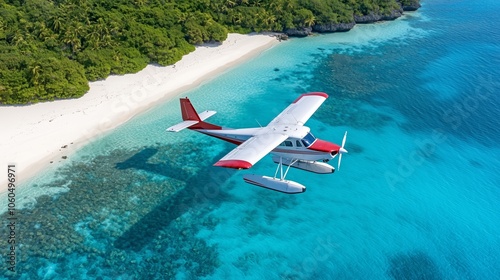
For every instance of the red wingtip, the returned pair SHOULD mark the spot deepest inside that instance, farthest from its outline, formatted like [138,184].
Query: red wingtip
[310,94]
[234,163]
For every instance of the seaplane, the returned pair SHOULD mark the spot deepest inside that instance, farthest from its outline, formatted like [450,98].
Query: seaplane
[286,137]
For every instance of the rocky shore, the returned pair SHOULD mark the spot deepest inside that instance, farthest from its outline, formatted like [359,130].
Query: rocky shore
[373,16]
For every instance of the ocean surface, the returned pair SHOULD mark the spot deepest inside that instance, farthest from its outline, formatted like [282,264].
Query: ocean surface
[417,197]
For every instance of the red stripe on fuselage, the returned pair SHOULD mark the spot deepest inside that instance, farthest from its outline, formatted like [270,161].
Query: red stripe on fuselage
[304,152]
[205,125]
[308,151]
[227,139]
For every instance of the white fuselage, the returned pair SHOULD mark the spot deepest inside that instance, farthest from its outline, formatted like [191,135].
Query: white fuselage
[295,147]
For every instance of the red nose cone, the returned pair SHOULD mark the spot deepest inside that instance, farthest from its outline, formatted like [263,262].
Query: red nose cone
[324,146]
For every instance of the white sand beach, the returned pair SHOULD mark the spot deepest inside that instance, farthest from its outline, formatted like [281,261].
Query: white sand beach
[32,136]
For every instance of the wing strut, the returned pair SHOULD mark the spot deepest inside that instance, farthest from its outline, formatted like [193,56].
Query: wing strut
[276,184]
[280,168]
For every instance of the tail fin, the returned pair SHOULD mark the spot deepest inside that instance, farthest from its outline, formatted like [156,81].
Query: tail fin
[191,119]
[188,111]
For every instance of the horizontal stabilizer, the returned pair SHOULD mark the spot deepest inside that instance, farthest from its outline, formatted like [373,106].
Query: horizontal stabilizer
[191,117]
[182,125]
[206,114]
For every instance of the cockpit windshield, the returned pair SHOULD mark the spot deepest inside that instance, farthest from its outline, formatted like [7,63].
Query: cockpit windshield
[308,140]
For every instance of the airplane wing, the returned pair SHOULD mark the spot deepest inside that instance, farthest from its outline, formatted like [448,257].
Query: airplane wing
[301,109]
[252,150]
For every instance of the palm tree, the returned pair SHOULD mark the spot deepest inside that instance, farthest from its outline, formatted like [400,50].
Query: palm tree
[41,30]
[102,27]
[309,21]
[116,56]
[236,17]
[72,39]
[106,40]
[35,74]
[56,23]
[276,7]
[218,6]
[257,3]
[93,38]
[140,2]
[18,39]
[269,19]
[289,5]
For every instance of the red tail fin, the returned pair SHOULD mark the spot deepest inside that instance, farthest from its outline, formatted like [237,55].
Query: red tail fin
[188,111]
[189,114]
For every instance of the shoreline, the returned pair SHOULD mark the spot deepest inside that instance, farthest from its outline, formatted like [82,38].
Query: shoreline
[55,129]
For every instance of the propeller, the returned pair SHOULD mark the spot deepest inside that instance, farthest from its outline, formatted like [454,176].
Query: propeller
[342,150]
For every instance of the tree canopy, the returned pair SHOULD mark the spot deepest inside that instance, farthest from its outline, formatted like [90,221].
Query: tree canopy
[50,49]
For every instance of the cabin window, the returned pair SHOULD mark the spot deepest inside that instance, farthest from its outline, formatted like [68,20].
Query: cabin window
[308,140]
[286,143]
[297,143]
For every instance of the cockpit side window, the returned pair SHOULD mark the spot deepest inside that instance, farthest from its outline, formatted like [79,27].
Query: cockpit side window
[286,143]
[308,140]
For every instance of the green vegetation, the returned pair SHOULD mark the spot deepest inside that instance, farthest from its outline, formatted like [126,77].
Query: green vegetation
[50,49]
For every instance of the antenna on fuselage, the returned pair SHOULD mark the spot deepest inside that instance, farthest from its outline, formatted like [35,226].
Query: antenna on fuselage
[258,122]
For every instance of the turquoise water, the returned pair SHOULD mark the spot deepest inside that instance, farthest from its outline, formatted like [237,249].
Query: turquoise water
[417,196]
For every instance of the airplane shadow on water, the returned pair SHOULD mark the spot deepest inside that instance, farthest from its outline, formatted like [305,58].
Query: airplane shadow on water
[140,161]
[200,189]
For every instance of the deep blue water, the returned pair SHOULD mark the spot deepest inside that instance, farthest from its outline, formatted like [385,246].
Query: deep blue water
[417,197]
